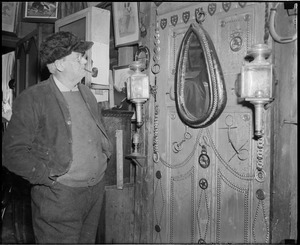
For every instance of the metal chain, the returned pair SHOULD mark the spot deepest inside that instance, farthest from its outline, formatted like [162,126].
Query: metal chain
[260,202]
[265,219]
[155,136]
[267,23]
[260,173]
[174,53]
[260,154]
[208,215]
[156,70]
[171,211]
[218,228]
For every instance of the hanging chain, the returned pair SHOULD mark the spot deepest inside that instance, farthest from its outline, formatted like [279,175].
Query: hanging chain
[155,137]
[260,173]
[155,70]
[174,53]
[267,23]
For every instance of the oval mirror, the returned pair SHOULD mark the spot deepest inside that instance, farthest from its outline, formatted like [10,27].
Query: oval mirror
[200,93]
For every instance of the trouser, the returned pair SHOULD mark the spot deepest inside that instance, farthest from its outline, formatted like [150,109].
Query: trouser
[63,214]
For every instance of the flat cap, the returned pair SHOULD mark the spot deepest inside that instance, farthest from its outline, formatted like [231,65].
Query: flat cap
[61,44]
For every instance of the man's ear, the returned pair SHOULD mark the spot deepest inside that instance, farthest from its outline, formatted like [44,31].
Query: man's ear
[59,65]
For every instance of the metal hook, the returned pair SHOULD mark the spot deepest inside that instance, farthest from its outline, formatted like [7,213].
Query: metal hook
[200,15]
[143,49]
[273,32]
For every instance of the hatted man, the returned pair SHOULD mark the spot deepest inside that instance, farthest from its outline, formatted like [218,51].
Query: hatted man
[56,140]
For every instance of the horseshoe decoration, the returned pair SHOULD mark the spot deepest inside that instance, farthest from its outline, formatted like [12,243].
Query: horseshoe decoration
[200,92]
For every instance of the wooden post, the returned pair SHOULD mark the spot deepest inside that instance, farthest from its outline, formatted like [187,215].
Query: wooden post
[119,146]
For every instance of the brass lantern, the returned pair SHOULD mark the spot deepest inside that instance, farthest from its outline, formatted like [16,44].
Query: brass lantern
[256,82]
[138,89]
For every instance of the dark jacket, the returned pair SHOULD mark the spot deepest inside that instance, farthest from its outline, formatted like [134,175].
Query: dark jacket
[37,144]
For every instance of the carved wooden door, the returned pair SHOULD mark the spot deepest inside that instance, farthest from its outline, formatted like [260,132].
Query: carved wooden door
[225,199]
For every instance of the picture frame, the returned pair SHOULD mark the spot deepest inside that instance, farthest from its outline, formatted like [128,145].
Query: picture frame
[120,76]
[126,23]
[40,12]
[9,16]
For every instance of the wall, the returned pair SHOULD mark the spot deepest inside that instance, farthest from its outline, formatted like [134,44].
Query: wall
[284,200]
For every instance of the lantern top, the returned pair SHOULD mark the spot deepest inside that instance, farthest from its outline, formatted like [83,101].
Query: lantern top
[137,66]
[258,53]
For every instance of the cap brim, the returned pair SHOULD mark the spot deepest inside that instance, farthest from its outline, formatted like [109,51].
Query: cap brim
[83,46]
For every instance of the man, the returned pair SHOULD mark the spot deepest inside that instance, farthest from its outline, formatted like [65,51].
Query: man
[56,140]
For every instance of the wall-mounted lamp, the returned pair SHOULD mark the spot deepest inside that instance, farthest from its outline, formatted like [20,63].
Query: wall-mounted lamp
[138,92]
[256,82]
[138,89]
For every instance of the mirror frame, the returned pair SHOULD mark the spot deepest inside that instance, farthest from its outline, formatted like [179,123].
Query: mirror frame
[217,90]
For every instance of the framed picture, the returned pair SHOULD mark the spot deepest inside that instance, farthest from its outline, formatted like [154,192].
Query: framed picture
[9,13]
[126,23]
[120,76]
[40,11]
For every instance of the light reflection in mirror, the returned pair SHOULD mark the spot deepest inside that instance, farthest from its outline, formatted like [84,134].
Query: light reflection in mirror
[196,79]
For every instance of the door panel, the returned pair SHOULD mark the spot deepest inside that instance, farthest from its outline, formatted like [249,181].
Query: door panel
[220,200]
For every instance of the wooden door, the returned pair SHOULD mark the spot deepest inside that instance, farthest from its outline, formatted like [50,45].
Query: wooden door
[224,202]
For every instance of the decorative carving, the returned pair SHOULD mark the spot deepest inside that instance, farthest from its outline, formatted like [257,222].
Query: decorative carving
[163,23]
[242,4]
[236,43]
[203,184]
[200,15]
[186,16]
[226,6]
[207,213]
[211,8]
[238,189]
[174,19]
[235,35]
[159,210]
[190,176]
[255,224]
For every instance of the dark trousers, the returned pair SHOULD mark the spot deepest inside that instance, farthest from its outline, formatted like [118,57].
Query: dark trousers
[63,214]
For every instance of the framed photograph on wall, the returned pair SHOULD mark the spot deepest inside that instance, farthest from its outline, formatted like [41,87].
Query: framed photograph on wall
[126,23]
[9,15]
[40,11]
[120,76]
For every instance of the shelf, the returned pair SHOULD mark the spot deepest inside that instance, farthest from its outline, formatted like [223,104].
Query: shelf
[138,159]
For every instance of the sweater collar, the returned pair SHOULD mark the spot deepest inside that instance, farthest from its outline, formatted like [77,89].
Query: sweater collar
[62,87]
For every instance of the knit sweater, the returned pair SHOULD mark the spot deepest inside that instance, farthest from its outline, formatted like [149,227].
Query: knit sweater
[89,162]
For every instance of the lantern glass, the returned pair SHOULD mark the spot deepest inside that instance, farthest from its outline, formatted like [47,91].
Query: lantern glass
[256,81]
[138,84]
[139,87]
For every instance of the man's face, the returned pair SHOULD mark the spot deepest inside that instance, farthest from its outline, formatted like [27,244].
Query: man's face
[74,65]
